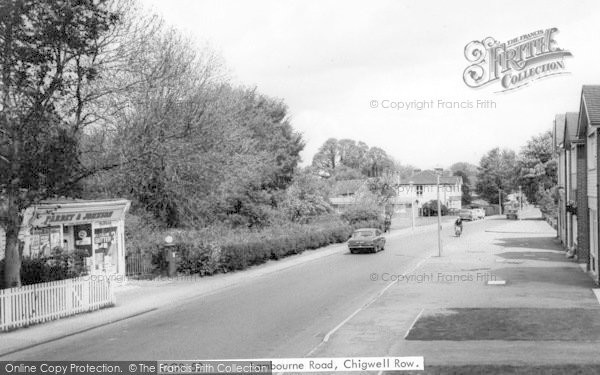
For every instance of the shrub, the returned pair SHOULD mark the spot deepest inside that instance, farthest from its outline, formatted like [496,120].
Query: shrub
[361,213]
[430,208]
[222,249]
[59,265]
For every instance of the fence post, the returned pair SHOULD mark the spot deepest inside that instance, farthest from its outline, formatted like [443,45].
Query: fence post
[86,285]
[69,290]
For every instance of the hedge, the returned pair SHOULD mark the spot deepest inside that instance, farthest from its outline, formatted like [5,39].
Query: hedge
[212,250]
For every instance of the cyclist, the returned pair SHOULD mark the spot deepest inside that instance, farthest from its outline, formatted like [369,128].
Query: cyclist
[458,226]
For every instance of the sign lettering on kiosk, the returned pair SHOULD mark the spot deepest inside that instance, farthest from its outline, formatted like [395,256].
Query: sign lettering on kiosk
[68,217]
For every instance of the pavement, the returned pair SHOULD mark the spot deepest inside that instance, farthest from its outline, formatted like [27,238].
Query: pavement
[327,303]
[135,298]
[530,271]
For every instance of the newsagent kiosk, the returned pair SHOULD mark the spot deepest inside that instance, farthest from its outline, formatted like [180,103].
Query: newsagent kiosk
[94,227]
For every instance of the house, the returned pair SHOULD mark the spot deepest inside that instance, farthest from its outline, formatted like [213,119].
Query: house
[568,146]
[571,148]
[422,187]
[96,228]
[345,193]
[588,209]
[558,136]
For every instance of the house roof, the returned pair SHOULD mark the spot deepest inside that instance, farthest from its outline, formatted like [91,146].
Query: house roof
[571,127]
[559,130]
[590,96]
[430,178]
[480,202]
[347,187]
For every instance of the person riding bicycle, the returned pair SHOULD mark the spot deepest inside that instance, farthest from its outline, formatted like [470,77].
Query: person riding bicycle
[458,224]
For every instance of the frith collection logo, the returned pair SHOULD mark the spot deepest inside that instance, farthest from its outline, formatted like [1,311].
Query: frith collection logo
[514,63]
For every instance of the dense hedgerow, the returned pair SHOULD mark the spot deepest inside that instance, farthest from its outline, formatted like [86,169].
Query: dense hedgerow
[218,249]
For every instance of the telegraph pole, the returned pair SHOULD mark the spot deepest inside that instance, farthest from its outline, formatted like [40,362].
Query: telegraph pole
[520,198]
[412,205]
[500,199]
[439,215]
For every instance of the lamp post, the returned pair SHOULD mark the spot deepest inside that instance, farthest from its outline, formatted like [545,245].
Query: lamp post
[439,215]
[412,204]
[520,197]
[500,199]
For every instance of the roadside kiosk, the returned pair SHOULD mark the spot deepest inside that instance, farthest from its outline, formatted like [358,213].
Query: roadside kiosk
[97,227]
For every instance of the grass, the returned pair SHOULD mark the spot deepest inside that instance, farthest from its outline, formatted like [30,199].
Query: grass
[525,324]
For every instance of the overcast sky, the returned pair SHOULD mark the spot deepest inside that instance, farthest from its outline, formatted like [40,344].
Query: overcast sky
[328,60]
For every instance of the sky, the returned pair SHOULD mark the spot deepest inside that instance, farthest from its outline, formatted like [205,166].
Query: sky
[339,66]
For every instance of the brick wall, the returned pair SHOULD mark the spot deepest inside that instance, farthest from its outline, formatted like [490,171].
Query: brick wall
[583,231]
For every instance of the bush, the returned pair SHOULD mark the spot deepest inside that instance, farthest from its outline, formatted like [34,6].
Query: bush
[222,249]
[59,265]
[430,208]
[360,214]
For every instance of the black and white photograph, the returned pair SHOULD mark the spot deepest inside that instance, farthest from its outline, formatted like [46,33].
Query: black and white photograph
[299,187]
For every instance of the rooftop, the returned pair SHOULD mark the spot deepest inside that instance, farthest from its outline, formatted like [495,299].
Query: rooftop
[430,178]
[590,95]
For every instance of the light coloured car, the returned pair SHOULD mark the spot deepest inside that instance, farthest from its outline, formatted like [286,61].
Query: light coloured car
[480,212]
[370,239]
[512,214]
[467,214]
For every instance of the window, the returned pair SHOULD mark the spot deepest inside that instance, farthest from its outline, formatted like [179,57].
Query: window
[419,190]
[591,151]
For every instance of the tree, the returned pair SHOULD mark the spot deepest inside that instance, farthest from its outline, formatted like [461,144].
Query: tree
[537,166]
[376,162]
[466,197]
[51,52]
[468,170]
[328,155]
[306,197]
[496,172]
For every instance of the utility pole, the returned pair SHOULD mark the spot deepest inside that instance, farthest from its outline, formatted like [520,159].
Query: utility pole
[500,199]
[520,198]
[412,205]
[439,215]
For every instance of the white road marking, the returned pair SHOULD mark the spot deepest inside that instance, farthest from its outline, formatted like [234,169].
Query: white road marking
[330,333]
[597,293]
[413,323]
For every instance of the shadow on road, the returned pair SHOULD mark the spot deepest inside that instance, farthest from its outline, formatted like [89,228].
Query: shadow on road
[561,276]
[532,243]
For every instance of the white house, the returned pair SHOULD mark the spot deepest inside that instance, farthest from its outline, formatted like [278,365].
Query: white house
[421,188]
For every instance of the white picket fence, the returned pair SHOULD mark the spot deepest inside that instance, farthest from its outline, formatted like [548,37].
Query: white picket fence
[42,302]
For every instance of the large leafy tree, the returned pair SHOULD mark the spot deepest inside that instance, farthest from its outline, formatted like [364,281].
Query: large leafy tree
[537,166]
[496,174]
[466,197]
[348,159]
[467,170]
[328,155]
[50,53]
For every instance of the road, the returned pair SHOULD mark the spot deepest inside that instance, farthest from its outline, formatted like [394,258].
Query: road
[282,314]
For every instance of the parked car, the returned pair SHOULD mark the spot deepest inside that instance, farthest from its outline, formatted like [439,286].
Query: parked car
[512,214]
[370,239]
[467,214]
[479,212]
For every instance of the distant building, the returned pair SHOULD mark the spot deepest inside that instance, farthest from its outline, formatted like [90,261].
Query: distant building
[421,188]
